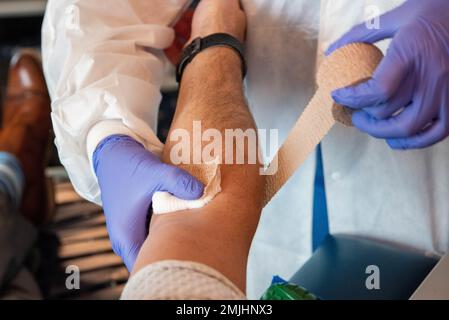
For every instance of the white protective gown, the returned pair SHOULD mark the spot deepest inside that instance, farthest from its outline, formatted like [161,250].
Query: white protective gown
[104,66]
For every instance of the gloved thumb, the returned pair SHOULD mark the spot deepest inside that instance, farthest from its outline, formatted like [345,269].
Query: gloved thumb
[366,32]
[181,184]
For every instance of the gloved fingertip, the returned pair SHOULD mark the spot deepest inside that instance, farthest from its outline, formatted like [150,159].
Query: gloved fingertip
[184,186]
[343,96]
[197,189]
[354,35]
[194,189]
[397,144]
[335,46]
[360,120]
[331,49]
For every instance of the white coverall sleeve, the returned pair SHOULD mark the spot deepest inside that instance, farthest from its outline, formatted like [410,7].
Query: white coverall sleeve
[104,65]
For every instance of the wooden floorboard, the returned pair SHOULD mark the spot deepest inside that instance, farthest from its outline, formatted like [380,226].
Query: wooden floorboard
[112,293]
[84,248]
[95,262]
[81,229]
[68,236]
[64,193]
[112,275]
[92,281]
[96,220]
[78,210]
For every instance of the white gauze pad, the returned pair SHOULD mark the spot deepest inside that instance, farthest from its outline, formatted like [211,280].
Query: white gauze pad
[209,174]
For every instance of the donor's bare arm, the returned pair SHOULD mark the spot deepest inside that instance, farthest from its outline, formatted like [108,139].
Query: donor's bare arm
[218,235]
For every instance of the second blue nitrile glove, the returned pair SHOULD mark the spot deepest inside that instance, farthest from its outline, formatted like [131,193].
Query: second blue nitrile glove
[128,176]
[407,100]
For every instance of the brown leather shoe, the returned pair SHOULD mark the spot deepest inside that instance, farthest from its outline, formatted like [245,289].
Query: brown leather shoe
[25,81]
[26,130]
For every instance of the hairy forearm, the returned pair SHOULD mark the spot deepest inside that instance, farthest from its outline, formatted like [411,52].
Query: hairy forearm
[220,234]
[212,92]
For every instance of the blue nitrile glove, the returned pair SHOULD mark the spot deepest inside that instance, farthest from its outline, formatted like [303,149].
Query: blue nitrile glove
[407,100]
[128,176]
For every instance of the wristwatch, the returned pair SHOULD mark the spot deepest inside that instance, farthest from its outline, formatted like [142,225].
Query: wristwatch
[201,44]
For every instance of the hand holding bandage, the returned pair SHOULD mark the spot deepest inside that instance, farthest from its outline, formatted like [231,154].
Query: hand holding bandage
[406,101]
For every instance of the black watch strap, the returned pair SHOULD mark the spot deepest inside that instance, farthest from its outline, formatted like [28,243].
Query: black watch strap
[200,44]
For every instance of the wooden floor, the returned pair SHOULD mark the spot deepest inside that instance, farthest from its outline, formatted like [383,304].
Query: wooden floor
[81,229]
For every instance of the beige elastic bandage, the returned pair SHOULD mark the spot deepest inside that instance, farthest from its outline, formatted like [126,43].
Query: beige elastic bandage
[347,66]
[180,280]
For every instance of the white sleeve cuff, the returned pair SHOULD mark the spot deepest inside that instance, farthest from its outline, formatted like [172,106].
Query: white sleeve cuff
[107,128]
